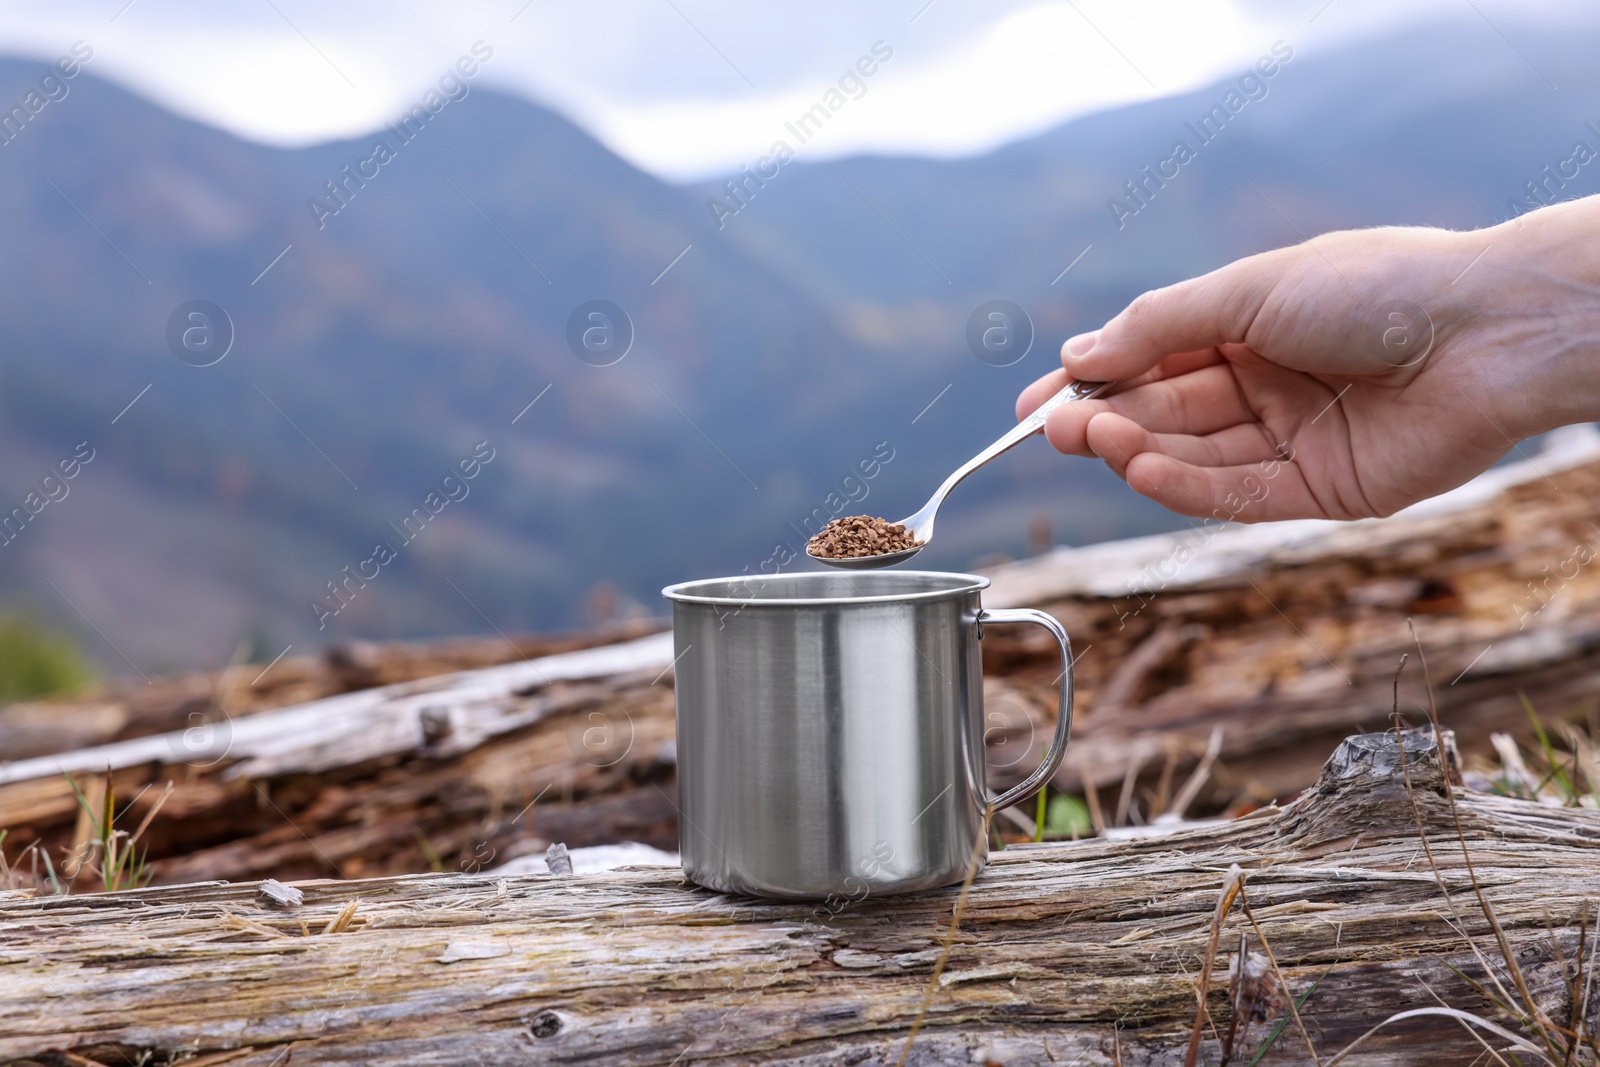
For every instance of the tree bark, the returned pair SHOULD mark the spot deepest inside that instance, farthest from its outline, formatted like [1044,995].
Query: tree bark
[1084,953]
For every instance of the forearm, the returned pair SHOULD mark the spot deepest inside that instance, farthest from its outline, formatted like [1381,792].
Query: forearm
[1535,293]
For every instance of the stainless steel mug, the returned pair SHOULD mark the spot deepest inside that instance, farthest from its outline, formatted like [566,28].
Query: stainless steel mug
[830,730]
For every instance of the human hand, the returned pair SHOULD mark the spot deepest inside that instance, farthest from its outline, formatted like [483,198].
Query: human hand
[1345,377]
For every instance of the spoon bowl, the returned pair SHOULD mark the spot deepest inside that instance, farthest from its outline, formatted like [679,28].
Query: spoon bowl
[921,524]
[868,563]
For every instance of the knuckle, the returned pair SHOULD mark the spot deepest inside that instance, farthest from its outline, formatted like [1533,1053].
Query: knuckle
[1137,315]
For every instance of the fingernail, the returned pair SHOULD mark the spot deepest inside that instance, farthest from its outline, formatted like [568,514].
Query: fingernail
[1081,344]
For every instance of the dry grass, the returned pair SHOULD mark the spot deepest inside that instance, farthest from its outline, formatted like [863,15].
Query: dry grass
[1552,775]
[950,935]
[1542,1037]
[112,856]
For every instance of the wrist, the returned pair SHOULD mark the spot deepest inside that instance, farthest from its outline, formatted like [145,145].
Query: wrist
[1536,302]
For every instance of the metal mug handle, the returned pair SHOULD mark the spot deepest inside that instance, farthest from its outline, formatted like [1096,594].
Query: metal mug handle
[1058,744]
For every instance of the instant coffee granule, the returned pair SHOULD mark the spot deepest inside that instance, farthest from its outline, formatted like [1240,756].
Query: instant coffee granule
[855,536]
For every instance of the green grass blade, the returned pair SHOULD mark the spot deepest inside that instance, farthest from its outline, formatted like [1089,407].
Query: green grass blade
[1039,809]
[83,802]
[1558,771]
[49,869]
[1283,1022]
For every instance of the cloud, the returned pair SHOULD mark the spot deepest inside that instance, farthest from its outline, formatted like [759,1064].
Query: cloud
[694,88]
[1025,73]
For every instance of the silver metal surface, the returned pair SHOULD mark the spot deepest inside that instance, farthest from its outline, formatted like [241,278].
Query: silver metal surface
[830,730]
[921,523]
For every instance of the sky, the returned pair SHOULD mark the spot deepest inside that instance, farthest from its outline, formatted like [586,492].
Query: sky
[690,89]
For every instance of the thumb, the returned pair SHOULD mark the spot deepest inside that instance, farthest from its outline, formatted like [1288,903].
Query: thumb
[1200,313]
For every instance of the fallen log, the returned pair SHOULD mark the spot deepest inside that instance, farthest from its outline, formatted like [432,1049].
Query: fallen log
[1287,635]
[1088,953]
[122,708]
[439,772]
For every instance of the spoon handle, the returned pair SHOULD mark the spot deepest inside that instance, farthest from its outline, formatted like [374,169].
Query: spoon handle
[1011,438]
[1073,391]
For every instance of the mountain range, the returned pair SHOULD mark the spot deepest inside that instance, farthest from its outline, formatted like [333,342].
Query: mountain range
[422,318]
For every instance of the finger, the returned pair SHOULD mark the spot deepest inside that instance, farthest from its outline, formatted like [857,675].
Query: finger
[1041,390]
[1117,440]
[1173,366]
[1201,402]
[1255,492]
[1180,363]
[1198,403]
[1200,313]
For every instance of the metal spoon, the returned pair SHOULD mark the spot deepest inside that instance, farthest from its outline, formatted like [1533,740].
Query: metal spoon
[921,524]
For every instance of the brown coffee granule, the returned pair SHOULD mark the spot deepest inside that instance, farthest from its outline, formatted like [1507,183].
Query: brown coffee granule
[855,536]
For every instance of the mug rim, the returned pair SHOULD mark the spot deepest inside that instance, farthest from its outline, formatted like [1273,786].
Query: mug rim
[679,593]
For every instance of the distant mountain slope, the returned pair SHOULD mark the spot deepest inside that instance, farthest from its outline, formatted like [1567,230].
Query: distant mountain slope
[417,321]
[771,355]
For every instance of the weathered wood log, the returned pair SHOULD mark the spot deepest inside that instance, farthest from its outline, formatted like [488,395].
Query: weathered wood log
[400,775]
[1288,634]
[1084,953]
[123,709]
